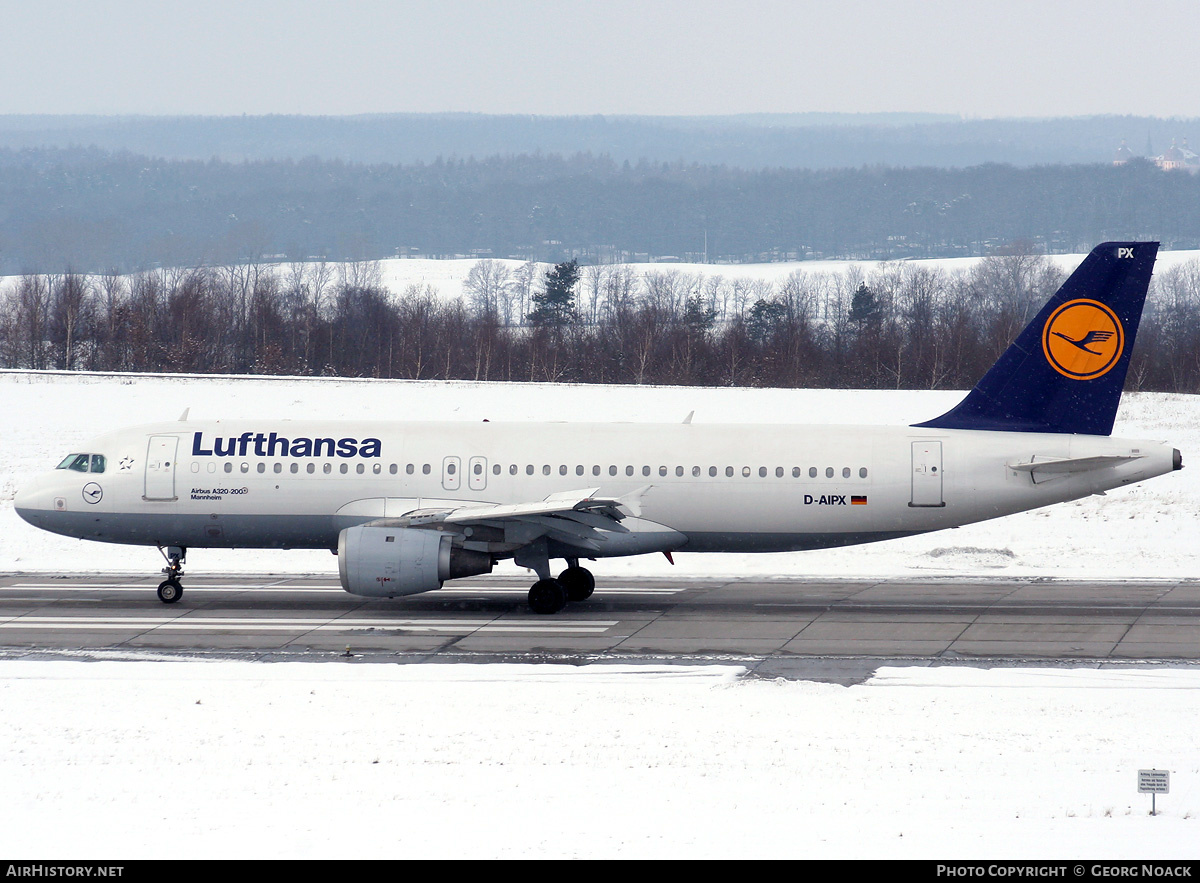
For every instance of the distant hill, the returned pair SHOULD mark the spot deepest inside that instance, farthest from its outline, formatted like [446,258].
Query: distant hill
[747,141]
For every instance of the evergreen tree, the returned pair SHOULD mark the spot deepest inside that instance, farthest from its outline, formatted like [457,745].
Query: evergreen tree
[555,305]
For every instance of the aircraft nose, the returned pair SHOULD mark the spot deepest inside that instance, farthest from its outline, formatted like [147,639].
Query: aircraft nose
[33,500]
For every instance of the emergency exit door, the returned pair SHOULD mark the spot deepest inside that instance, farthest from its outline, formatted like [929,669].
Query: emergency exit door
[160,467]
[927,474]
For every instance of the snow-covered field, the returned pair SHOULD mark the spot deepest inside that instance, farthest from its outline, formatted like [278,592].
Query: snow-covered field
[140,757]
[448,276]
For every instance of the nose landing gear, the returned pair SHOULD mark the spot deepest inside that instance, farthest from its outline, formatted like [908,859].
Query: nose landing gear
[170,590]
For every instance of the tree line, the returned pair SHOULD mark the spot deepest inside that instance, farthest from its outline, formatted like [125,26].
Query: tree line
[903,325]
[91,210]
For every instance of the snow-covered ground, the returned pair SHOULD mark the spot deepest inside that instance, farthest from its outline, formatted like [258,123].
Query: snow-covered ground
[134,757]
[447,277]
[141,759]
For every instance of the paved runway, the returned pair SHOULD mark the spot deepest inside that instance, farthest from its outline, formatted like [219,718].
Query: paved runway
[828,630]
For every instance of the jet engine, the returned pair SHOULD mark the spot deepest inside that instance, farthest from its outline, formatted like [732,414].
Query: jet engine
[382,562]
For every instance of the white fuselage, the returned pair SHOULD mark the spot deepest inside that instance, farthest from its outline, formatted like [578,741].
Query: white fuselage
[711,488]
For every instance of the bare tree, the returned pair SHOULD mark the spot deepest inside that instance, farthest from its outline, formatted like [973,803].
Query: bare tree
[487,288]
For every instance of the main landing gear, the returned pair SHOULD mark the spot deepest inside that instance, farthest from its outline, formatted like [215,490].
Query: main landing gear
[551,595]
[170,590]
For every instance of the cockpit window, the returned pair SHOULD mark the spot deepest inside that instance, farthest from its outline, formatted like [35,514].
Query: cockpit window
[83,462]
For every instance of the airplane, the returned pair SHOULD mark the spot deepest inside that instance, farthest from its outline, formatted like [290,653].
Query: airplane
[407,506]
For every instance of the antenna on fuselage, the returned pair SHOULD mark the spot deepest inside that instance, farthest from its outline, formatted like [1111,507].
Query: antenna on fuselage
[183,416]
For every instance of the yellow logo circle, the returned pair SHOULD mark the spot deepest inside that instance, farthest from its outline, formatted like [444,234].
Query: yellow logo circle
[1083,339]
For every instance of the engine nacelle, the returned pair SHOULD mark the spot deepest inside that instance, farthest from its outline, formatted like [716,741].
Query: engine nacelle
[382,562]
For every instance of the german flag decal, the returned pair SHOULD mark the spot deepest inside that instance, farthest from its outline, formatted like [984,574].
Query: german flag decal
[858,501]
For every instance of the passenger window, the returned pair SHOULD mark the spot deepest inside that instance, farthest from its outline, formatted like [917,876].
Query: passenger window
[450,469]
[612,470]
[579,470]
[478,469]
[845,472]
[645,470]
[862,473]
[262,467]
[662,470]
[312,467]
[779,472]
[546,469]
[278,468]
[229,467]
[495,469]
[812,471]
[409,469]
[295,468]
[376,468]
[745,472]
[595,470]
[729,472]
[425,469]
[762,471]
[795,472]
[245,467]
[392,470]
[529,469]
[512,470]
[629,470]
[829,472]
[562,469]
[712,471]
[695,472]
[327,468]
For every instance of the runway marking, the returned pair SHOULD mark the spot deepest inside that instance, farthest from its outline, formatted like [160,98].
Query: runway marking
[186,623]
[189,588]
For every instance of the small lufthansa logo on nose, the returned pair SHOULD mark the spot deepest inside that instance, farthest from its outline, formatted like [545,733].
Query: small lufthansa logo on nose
[1083,339]
[92,492]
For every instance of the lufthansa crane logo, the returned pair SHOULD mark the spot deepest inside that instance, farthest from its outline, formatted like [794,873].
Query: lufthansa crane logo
[1083,339]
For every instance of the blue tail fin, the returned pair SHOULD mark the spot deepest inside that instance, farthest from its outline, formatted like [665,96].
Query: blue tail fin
[1066,370]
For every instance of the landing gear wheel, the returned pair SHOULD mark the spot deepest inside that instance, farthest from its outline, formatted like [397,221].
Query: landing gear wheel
[169,591]
[579,583]
[547,596]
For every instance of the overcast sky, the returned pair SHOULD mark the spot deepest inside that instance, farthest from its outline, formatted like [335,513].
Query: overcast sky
[980,58]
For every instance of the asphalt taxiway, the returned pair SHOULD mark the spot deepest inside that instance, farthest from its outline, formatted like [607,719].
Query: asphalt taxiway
[834,630]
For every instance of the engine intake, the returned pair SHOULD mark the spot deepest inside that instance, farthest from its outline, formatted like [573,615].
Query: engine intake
[382,562]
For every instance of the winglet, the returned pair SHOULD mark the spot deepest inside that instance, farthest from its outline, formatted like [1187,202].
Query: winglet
[1066,370]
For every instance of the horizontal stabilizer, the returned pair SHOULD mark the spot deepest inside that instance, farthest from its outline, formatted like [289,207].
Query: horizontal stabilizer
[1057,466]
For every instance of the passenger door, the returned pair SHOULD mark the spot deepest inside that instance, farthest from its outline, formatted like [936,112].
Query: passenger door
[160,467]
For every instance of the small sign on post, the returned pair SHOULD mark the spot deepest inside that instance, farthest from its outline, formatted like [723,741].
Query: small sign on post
[1154,782]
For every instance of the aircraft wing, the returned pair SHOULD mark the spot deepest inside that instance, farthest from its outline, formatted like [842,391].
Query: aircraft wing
[562,503]
[578,518]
